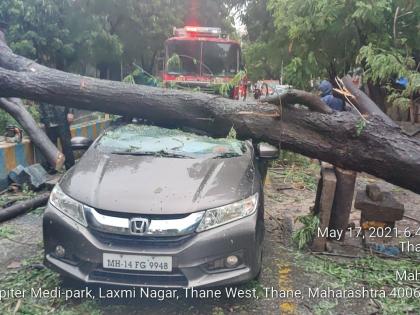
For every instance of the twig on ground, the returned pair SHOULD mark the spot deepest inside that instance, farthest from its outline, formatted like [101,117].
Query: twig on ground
[273,217]
[376,303]
[5,191]
[17,307]
[334,254]
[411,218]
[19,242]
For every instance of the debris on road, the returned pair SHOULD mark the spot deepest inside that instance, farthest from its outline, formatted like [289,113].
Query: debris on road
[34,175]
[378,206]
[23,207]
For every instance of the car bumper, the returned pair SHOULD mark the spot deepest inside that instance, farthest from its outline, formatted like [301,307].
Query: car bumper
[190,254]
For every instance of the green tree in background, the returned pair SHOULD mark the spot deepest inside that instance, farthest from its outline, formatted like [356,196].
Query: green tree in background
[397,56]
[141,26]
[104,34]
[37,29]
[322,38]
[264,51]
[58,33]
[299,40]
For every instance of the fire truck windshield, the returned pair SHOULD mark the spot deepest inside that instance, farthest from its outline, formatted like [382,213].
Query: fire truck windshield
[205,58]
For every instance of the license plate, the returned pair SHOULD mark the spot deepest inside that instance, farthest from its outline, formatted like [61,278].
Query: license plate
[137,262]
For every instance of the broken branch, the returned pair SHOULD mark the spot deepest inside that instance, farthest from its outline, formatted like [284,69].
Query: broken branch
[15,108]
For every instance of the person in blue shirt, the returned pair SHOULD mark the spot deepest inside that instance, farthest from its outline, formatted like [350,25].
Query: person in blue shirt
[335,103]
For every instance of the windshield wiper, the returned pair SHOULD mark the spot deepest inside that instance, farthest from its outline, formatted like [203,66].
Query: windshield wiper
[153,153]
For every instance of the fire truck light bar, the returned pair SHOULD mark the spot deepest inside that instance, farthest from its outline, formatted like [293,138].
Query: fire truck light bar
[199,30]
[208,30]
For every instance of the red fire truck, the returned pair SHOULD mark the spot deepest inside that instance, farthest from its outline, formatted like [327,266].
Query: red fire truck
[201,57]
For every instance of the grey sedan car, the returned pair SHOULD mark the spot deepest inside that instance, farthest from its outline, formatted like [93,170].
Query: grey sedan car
[148,206]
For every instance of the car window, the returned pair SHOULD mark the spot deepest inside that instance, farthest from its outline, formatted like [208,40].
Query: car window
[134,138]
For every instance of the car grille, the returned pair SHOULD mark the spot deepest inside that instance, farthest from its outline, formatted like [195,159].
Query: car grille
[168,226]
[111,239]
[173,279]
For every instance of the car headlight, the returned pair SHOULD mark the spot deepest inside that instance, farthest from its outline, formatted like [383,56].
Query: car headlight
[67,205]
[234,211]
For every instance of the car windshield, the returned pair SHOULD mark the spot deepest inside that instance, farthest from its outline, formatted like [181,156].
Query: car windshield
[133,139]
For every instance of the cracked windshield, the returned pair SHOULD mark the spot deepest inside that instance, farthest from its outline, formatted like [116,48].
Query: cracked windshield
[137,139]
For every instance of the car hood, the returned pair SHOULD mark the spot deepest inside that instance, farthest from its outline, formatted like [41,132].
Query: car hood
[158,185]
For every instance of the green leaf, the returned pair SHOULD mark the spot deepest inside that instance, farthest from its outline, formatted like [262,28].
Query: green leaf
[360,126]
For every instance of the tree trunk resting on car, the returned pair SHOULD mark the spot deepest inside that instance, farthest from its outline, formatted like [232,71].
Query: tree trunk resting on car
[375,147]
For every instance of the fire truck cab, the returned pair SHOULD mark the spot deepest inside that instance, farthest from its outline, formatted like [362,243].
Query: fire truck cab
[200,57]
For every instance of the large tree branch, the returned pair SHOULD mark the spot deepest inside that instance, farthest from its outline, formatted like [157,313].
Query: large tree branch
[15,108]
[296,96]
[363,103]
[380,149]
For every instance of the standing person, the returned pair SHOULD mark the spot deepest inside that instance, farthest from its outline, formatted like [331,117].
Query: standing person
[56,120]
[335,103]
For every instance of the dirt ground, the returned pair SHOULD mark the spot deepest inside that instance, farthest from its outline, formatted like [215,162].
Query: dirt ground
[284,267]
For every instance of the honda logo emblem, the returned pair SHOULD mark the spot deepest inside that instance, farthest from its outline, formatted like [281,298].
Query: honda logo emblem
[139,225]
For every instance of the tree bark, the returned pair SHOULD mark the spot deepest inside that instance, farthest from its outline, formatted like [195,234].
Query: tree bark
[295,96]
[23,207]
[15,108]
[380,149]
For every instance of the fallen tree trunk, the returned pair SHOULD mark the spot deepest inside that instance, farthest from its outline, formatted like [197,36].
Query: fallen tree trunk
[378,149]
[15,108]
[23,207]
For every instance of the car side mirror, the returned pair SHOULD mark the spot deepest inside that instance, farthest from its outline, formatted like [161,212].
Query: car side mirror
[267,151]
[79,146]
[81,143]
